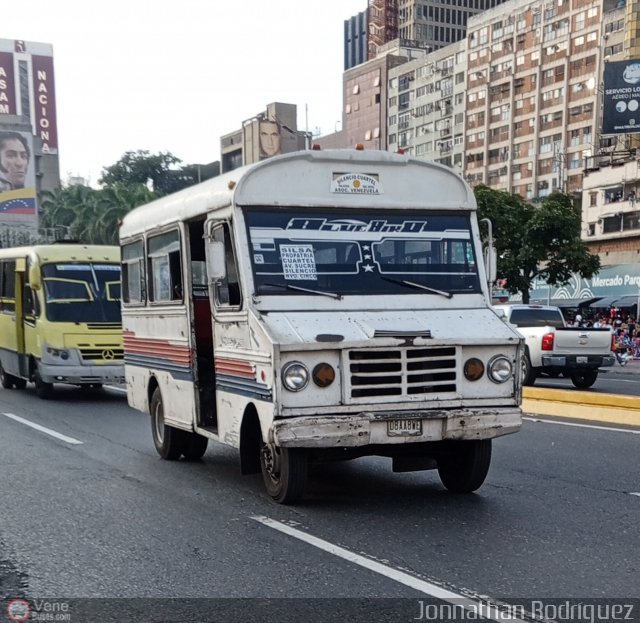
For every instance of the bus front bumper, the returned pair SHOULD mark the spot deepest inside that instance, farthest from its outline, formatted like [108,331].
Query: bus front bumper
[394,428]
[81,375]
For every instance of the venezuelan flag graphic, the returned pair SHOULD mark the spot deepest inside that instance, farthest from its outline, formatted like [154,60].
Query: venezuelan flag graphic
[20,201]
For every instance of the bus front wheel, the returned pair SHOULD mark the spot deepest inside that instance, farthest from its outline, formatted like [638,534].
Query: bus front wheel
[8,381]
[464,468]
[44,390]
[169,441]
[284,471]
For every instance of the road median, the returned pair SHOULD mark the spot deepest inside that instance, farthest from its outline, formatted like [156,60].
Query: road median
[603,408]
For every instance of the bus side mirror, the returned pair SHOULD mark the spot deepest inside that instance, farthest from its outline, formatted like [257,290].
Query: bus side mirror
[216,266]
[34,278]
[491,263]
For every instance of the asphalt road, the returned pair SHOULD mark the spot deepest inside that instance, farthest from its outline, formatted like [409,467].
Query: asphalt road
[557,517]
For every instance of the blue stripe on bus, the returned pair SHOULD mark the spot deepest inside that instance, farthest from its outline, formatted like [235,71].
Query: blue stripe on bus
[182,373]
[244,387]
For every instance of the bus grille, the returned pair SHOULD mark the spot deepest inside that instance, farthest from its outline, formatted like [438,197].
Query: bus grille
[402,372]
[102,353]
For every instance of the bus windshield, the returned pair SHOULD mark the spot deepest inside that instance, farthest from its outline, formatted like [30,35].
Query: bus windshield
[298,251]
[82,292]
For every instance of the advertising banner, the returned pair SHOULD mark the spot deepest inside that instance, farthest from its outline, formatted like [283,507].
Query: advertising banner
[18,209]
[7,85]
[621,101]
[45,103]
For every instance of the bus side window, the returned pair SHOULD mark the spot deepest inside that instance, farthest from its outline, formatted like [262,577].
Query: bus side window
[165,267]
[8,286]
[133,277]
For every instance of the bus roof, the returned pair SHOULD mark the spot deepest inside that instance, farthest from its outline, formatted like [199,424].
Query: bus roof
[294,180]
[61,252]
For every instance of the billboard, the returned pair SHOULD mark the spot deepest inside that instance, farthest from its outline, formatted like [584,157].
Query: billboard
[18,211]
[27,88]
[621,99]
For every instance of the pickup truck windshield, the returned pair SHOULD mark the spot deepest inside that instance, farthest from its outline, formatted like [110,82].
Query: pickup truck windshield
[348,252]
[537,318]
[82,292]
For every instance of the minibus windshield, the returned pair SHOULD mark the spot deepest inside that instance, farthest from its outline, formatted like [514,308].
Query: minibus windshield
[348,252]
[82,292]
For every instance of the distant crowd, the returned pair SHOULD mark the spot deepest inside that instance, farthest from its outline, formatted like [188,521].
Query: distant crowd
[624,327]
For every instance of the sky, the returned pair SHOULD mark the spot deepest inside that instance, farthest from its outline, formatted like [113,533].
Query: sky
[174,77]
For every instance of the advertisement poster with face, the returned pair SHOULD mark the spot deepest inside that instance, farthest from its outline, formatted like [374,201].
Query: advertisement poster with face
[18,210]
[270,139]
[621,97]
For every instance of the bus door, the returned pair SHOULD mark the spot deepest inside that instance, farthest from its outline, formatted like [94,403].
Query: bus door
[201,326]
[225,299]
[31,283]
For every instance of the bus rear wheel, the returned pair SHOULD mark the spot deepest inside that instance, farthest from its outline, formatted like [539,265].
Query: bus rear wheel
[8,381]
[284,471]
[169,441]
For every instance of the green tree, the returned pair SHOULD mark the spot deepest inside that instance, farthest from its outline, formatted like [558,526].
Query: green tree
[158,171]
[88,215]
[535,241]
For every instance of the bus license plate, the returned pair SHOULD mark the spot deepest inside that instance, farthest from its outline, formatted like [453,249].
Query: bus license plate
[580,359]
[404,427]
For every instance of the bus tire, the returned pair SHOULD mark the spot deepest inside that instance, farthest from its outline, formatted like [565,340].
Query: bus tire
[284,471]
[194,446]
[44,390]
[169,441]
[465,467]
[19,383]
[7,380]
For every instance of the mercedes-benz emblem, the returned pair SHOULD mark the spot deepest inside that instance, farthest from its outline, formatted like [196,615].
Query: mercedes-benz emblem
[108,354]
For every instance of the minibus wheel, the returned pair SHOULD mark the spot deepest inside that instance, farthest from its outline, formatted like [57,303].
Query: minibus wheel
[284,471]
[169,441]
[194,446]
[465,465]
[7,380]
[44,390]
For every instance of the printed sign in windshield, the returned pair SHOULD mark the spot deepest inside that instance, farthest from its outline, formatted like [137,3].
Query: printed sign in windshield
[348,253]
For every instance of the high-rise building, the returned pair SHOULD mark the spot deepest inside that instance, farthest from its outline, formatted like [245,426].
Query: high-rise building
[355,40]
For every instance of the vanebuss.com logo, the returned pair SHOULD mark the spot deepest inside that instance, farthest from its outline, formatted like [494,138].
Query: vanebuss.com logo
[18,610]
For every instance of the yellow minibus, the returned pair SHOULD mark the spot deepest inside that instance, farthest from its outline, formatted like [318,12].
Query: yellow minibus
[60,318]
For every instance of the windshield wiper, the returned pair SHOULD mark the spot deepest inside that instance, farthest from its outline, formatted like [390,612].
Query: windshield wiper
[417,286]
[287,286]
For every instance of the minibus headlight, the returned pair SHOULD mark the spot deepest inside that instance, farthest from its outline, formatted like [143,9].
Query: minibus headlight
[323,375]
[500,369]
[295,376]
[473,369]
[56,352]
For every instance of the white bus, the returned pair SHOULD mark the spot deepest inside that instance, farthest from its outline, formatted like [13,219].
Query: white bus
[317,306]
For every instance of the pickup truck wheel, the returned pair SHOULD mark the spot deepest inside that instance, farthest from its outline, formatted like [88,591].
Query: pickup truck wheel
[584,378]
[465,467]
[528,373]
[169,441]
[284,471]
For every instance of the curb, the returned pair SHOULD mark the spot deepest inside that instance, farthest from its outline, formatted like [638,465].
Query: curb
[608,408]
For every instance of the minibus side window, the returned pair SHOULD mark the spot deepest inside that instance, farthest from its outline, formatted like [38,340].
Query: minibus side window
[165,267]
[8,287]
[133,277]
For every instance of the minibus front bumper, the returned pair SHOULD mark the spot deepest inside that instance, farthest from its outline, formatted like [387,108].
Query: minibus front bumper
[81,375]
[367,428]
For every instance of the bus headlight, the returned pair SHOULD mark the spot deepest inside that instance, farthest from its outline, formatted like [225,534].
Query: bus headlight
[295,376]
[57,352]
[500,369]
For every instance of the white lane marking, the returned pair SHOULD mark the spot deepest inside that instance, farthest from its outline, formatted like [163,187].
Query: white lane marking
[116,389]
[634,493]
[42,429]
[489,611]
[617,430]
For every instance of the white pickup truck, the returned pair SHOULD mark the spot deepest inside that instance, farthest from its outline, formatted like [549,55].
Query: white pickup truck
[552,348]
